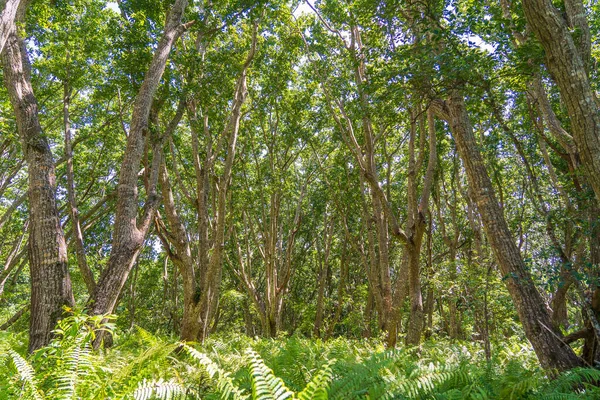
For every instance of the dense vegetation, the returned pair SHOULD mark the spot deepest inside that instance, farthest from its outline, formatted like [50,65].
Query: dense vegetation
[299,199]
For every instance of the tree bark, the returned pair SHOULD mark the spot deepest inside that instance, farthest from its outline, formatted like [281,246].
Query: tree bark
[547,342]
[566,60]
[7,20]
[50,281]
[129,233]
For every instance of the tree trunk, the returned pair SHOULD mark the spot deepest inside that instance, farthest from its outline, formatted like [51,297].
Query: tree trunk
[566,59]
[7,20]
[50,282]
[129,233]
[552,352]
[417,316]
[320,300]
[201,298]
[14,318]
[86,272]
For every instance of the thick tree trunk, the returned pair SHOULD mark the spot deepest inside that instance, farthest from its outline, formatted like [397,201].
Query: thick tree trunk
[50,282]
[547,342]
[566,58]
[129,233]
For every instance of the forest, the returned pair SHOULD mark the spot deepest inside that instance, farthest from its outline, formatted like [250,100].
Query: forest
[299,199]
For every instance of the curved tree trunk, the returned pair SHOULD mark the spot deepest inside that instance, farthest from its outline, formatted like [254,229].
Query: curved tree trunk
[129,233]
[547,342]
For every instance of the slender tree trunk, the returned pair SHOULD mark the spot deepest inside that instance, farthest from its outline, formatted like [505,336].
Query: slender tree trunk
[14,318]
[320,300]
[344,270]
[50,282]
[368,315]
[211,281]
[86,272]
[201,298]
[551,350]
[323,274]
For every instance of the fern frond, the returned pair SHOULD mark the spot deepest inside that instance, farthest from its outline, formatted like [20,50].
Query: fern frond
[75,364]
[225,384]
[27,374]
[317,388]
[164,390]
[156,352]
[265,385]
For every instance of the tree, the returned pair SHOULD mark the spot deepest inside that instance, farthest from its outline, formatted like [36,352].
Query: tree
[50,281]
[130,231]
[567,59]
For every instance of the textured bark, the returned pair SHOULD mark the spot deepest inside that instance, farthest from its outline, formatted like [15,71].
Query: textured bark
[129,233]
[50,282]
[566,59]
[547,342]
[7,19]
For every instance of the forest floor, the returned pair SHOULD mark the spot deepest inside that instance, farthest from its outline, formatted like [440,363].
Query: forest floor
[141,365]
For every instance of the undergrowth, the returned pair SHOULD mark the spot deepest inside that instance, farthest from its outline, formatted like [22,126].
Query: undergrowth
[145,366]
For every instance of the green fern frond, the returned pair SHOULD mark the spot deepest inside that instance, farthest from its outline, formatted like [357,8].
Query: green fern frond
[27,375]
[265,385]
[156,352]
[164,390]
[317,388]
[225,384]
[75,364]
[147,336]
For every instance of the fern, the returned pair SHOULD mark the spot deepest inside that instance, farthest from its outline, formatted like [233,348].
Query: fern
[27,375]
[159,389]
[225,384]
[156,353]
[316,389]
[75,365]
[145,366]
[265,385]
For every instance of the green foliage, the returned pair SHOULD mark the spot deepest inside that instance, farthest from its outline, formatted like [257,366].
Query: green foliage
[143,366]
